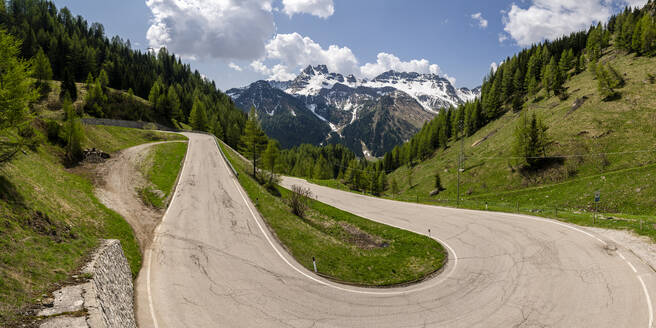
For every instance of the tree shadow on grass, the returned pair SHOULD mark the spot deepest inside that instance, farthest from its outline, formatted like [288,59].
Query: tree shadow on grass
[9,193]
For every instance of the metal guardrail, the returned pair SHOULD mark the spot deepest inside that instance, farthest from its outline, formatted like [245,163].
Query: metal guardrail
[216,140]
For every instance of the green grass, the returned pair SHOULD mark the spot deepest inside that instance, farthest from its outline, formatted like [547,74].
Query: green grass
[111,139]
[49,222]
[165,161]
[328,234]
[624,125]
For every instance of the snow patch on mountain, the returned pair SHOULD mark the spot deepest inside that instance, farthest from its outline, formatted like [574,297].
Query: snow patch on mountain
[432,91]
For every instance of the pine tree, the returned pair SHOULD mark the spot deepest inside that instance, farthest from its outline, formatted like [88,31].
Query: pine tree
[394,187]
[89,81]
[16,91]
[531,142]
[155,92]
[270,158]
[382,181]
[218,130]
[608,80]
[103,78]
[173,102]
[647,35]
[254,139]
[322,170]
[580,66]
[198,116]
[68,88]
[74,134]
[42,68]
[564,63]
[95,100]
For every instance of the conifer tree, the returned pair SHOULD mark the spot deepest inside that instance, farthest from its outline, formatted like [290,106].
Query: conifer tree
[103,78]
[16,91]
[41,67]
[218,130]
[270,158]
[254,139]
[382,181]
[394,186]
[198,116]
[68,88]
[89,81]
[173,102]
[74,134]
[322,170]
[531,142]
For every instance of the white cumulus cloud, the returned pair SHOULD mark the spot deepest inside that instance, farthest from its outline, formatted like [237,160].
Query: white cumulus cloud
[287,54]
[319,8]
[478,17]
[294,51]
[386,62]
[235,67]
[233,29]
[551,19]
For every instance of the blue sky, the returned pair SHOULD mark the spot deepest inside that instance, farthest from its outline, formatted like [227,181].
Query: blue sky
[236,42]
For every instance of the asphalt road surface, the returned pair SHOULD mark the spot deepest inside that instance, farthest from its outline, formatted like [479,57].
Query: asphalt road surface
[214,264]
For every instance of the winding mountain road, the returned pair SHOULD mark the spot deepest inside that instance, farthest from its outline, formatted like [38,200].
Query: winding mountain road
[213,263]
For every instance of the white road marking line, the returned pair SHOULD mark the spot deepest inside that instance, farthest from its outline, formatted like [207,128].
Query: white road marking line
[150,249]
[632,267]
[651,311]
[649,304]
[328,284]
[271,243]
[622,256]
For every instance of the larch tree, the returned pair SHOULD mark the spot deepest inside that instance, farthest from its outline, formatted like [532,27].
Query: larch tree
[16,93]
[531,142]
[270,158]
[198,116]
[254,140]
[41,67]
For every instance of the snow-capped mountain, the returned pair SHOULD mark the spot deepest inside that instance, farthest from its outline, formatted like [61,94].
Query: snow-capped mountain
[432,91]
[338,104]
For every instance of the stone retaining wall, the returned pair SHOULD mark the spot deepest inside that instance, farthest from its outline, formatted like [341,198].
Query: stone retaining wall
[105,300]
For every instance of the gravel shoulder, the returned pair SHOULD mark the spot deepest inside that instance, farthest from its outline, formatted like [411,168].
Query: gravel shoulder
[641,246]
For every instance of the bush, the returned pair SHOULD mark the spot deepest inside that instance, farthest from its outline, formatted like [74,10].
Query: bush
[53,130]
[149,126]
[299,200]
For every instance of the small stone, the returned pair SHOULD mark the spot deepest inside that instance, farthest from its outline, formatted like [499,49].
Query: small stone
[638,190]
[48,302]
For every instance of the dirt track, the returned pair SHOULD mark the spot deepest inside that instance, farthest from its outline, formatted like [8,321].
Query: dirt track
[119,179]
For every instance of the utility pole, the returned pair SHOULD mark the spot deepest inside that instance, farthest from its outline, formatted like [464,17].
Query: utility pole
[460,156]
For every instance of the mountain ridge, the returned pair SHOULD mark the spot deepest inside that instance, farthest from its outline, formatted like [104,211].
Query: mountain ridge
[338,102]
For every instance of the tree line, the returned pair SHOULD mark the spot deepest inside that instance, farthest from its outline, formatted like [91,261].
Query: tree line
[537,71]
[69,49]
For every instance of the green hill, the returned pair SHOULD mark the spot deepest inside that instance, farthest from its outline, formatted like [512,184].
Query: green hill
[609,146]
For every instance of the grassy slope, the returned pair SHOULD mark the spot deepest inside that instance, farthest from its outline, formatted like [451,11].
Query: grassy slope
[164,164]
[322,234]
[111,139]
[50,219]
[624,125]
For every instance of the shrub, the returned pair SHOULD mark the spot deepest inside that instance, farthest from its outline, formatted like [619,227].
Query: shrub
[53,130]
[299,200]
